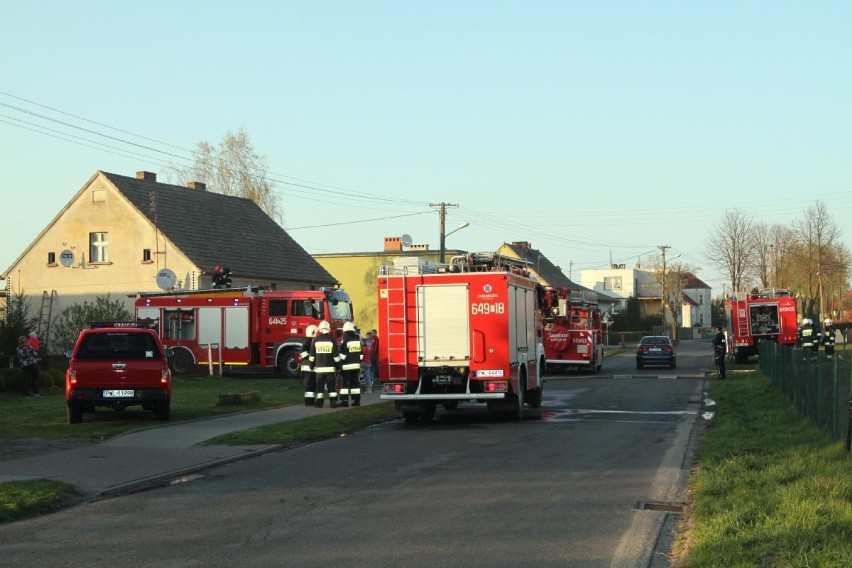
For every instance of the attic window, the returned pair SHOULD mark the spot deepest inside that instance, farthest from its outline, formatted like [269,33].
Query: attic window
[98,196]
[146,255]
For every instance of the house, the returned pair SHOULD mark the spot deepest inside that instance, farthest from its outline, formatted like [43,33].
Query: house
[121,235]
[624,283]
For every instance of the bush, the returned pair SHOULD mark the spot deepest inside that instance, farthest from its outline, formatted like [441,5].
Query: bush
[12,379]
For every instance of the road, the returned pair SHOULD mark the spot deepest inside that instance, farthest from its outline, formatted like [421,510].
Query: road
[584,481]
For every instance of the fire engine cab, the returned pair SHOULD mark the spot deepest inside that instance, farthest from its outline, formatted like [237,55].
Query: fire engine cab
[573,332]
[467,331]
[768,315]
[240,326]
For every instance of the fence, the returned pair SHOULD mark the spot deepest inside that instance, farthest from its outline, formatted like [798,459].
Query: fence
[820,388]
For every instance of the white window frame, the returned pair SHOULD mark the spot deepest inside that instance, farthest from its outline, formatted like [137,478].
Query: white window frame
[99,247]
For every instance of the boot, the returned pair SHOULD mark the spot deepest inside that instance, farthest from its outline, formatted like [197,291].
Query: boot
[356,402]
[344,403]
[333,403]
[319,403]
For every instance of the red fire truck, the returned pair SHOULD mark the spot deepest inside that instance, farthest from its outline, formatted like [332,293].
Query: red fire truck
[240,326]
[469,331]
[573,330]
[768,315]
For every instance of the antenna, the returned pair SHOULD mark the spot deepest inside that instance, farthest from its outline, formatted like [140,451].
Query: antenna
[405,240]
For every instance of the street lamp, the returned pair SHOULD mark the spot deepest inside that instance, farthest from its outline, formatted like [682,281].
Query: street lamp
[445,235]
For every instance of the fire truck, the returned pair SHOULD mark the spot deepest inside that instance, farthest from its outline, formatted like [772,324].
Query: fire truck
[768,315]
[467,331]
[573,330]
[251,326]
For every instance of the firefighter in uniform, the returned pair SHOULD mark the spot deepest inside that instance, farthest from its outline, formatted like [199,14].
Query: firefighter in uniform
[325,357]
[350,366]
[306,371]
[720,351]
[806,337]
[828,337]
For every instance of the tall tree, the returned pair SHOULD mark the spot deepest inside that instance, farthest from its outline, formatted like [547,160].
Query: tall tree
[818,239]
[233,168]
[730,248]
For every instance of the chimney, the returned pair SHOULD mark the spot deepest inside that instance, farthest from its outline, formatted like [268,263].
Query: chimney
[146,176]
[197,185]
[419,247]
[393,244]
[522,244]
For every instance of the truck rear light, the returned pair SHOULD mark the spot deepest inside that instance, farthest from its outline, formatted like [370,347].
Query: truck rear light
[394,388]
[496,386]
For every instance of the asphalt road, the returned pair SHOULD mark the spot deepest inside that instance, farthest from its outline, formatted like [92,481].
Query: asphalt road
[587,480]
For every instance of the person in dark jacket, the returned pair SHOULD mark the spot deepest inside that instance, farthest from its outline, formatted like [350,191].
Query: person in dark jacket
[720,351]
[807,337]
[350,366]
[829,336]
[325,358]
[306,372]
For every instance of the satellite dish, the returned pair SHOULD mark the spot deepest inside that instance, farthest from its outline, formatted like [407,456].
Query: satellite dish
[66,258]
[166,279]
[405,240]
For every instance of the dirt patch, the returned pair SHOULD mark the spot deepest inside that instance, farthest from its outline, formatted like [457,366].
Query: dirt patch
[31,447]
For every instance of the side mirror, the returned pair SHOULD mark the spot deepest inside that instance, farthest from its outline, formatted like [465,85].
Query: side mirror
[69,353]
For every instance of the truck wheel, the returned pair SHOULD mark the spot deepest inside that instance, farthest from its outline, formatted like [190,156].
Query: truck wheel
[535,397]
[287,364]
[428,412]
[163,410]
[599,365]
[518,399]
[75,413]
[181,362]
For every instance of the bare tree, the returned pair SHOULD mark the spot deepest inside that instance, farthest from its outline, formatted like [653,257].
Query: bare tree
[781,237]
[762,245]
[730,248]
[233,168]
[671,277]
[818,237]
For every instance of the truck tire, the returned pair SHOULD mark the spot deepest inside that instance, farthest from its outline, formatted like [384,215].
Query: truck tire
[181,362]
[75,413]
[534,398]
[287,364]
[163,410]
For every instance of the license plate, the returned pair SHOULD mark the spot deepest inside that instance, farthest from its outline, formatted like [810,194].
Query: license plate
[444,379]
[118,394]
[654,349]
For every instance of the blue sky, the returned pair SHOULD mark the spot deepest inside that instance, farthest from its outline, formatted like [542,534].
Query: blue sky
[597,131]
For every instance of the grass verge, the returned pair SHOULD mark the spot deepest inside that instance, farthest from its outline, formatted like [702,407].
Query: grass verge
[312,429]
[24,498]
[768,488]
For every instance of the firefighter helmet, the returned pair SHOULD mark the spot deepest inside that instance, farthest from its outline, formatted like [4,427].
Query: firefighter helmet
[311,331]
[324,327]
[348,326]
[828,321]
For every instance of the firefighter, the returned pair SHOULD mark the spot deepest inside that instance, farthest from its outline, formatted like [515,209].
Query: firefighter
[325,357]
[720,351]
[806,337]
[306,371]
[350,366]
[828,337]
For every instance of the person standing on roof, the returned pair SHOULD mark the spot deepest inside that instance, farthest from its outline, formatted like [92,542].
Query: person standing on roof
[325,357]
[828,337]
[350,366]
[306,372]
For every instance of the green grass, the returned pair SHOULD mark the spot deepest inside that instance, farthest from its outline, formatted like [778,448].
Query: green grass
[768,489]
[314,428]
[23,498]
[192,397]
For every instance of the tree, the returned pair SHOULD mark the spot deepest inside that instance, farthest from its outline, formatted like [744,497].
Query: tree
[17,323]
[672,278]
[730,248]
[233,168]
[76,318]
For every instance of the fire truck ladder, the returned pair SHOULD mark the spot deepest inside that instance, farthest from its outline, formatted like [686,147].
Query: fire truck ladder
[743,320]
[43,329]
[397,328]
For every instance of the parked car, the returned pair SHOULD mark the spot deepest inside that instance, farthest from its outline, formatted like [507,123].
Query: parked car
[117,365]
[656,350]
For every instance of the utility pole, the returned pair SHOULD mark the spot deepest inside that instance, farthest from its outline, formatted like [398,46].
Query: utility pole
[663,249]
[442,217]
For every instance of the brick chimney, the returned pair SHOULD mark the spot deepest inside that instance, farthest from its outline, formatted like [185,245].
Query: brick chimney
[419,247]
[393,244]
[197,185]
[146,176]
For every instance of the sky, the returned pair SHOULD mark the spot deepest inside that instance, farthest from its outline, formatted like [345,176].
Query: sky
[597,131]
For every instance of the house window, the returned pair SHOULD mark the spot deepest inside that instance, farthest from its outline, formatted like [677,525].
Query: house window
[701,319]
[612,282]
[98,245]
[51,258]
[146,255]
[701,299]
